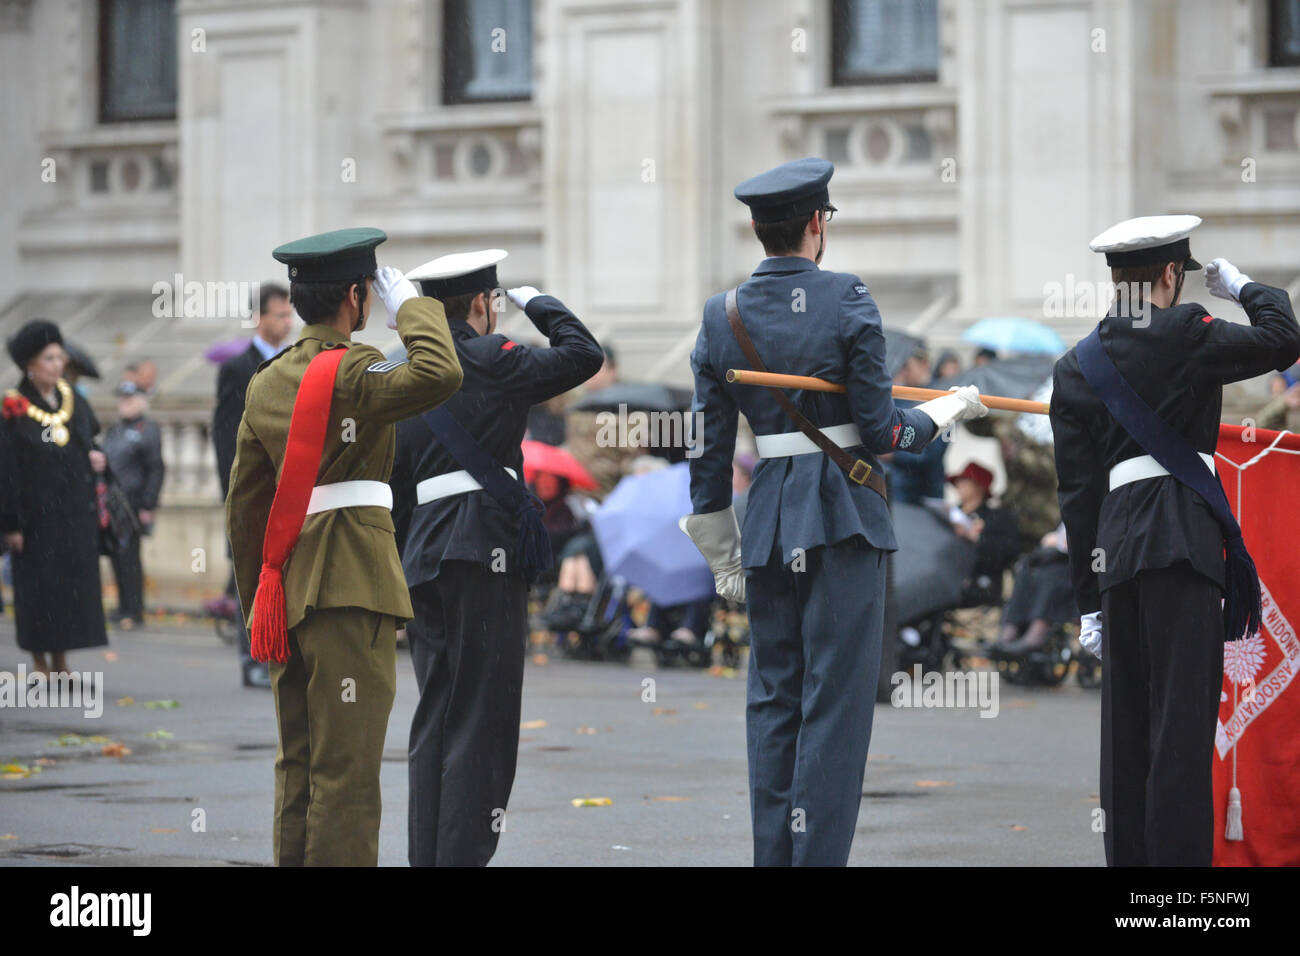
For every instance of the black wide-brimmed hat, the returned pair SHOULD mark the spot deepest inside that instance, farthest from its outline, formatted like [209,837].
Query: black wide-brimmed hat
[32,339]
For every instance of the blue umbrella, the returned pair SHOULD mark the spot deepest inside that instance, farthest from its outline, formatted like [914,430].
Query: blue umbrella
[640,541]
[1011,333]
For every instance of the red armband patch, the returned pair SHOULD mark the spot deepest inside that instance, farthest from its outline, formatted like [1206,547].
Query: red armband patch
[1207,318]
[507,345]
[894,443]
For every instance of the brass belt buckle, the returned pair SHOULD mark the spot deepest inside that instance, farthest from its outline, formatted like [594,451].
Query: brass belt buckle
[861,471]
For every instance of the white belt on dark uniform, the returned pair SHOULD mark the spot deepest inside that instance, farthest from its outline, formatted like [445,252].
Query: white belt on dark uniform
[1144,466]
[350,494]
[452,483]
[786,444]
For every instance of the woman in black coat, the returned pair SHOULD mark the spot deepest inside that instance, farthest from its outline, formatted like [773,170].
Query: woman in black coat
[48,513]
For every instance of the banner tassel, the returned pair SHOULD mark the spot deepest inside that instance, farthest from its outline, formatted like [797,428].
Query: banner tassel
[1235,831]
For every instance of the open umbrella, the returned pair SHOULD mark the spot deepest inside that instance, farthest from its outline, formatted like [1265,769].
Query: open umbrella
[637,396]
[899,347]
[1011,333]
[640,541]
[930,564]
[1017,376]
[541,457]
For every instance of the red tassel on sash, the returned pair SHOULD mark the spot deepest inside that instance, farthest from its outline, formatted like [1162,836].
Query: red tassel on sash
[269,636]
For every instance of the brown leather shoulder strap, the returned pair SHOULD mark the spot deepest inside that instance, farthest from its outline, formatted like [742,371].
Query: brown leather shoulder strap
[858,470]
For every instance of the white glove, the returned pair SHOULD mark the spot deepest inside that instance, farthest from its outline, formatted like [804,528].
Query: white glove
[962,405]
[1225,280]
[394,288]
[717,535]
[1090,633]
[522,295]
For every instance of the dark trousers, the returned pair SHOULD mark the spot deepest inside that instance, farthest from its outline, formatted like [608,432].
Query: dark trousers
[814,659]
[129,575]
[467,645]
[1162,647]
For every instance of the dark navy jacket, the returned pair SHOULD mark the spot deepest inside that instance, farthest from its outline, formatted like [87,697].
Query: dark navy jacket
[803,321]
[503,380]
[1178,362]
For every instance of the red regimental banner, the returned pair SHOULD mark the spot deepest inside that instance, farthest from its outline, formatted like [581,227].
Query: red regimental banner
[1257,746]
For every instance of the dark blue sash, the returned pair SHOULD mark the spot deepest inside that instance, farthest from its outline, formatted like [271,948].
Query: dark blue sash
[533,549]
[1241,605]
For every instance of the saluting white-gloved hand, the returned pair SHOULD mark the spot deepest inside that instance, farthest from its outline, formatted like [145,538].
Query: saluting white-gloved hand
[1225,280]
[394,289]
[1090,633]
[522,295]
[717,535]
[962,405]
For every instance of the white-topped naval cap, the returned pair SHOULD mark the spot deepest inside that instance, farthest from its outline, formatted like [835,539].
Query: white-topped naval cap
[1144,239]
[456,264]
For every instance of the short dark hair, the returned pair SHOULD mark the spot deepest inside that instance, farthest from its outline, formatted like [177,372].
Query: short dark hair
[319,301]
[457,306]
[268,292]
[610,356]
[1126,279]
[784,237]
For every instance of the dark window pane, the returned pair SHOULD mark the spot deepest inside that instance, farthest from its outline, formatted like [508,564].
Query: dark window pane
[1284,33]
[137,60]
[884,41]
[487,50]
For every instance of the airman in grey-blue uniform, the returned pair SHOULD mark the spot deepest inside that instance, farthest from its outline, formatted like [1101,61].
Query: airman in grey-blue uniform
[817,526]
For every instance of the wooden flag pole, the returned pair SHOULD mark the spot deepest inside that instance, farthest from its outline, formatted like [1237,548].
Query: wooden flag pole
[742,376]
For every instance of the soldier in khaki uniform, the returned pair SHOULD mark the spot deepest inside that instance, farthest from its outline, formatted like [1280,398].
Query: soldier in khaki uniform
[343,588]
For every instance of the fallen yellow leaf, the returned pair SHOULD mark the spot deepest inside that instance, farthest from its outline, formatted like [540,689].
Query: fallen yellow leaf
[934,783]
[663,711]
[125,701]
[163,830]
[586,730]
[532,725]
[115,750]
[669,799]
[592,802]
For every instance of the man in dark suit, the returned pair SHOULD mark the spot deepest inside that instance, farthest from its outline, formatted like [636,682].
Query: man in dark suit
[274,320]
[1146,551]
[817,526]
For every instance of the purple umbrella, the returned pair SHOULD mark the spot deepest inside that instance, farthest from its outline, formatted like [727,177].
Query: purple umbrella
[640,541]
[222,351]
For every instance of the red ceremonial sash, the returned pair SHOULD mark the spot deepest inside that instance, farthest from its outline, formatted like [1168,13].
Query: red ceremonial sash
[269,638]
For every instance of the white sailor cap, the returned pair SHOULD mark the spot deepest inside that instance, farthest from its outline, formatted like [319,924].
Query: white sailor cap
[1148,239]
[458,274]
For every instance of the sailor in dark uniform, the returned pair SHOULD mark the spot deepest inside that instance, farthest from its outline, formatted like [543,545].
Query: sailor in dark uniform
[1146,550]
[471,540]
[817,526]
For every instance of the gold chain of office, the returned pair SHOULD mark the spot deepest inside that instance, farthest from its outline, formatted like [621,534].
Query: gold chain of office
[56,422]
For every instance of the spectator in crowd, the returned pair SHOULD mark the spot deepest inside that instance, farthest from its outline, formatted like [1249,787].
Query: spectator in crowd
[546,422]
[274,321]
[947,366]
[992,531]
[134,449]
[1276,413]
[48,514]
[985,356]
[1041,597]
[608,463]
[143,374]
[914,477]
[1031,479]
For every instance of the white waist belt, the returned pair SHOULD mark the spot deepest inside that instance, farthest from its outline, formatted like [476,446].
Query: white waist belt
[454,483]
[1144,466]
[350,494]
[797,443]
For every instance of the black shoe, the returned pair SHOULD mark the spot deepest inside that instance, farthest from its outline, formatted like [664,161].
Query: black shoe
[256,675]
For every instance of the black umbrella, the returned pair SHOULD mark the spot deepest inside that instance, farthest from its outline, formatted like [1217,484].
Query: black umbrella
[80,361]
[899,347]
[930,565]
[637,396]
[1019,376]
